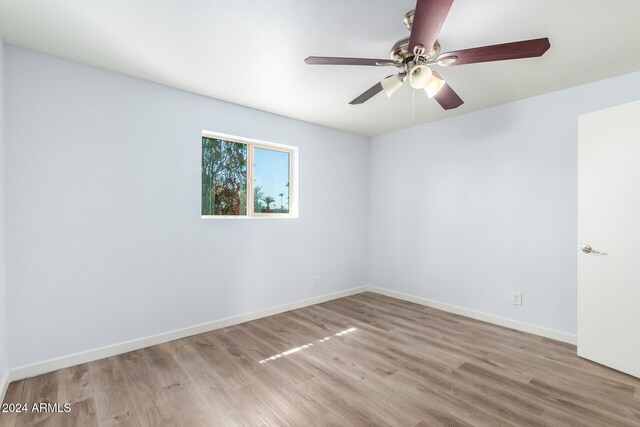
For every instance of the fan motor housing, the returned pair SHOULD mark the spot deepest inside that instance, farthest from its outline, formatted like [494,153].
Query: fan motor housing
[400,51]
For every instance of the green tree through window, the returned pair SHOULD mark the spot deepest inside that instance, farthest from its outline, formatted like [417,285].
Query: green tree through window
[224,177]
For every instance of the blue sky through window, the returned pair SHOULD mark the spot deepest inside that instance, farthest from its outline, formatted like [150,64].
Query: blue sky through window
[271,173]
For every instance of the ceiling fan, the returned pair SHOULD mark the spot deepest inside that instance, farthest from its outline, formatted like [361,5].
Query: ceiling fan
[414,56]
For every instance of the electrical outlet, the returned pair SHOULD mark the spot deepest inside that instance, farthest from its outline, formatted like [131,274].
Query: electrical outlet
[516,298]
[316,281]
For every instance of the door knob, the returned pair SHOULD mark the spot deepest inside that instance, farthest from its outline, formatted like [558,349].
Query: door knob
[587,249]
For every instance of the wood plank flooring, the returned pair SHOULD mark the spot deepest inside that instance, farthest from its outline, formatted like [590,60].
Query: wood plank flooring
[364,360]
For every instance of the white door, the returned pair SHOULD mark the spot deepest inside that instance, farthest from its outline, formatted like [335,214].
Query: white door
[609,237]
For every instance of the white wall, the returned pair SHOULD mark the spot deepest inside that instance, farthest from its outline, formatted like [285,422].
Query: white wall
[104,235]
[4,367]
[465,210]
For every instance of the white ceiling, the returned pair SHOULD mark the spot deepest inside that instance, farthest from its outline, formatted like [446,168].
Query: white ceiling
[251,52]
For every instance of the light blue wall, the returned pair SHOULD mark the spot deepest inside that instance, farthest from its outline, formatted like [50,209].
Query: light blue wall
[103,211]
[465,210]
[4,367]
[106,243]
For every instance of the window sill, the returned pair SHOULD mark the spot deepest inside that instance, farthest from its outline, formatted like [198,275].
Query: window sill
[289,216]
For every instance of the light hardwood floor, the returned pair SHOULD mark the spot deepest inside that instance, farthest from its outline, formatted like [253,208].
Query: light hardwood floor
[357,361]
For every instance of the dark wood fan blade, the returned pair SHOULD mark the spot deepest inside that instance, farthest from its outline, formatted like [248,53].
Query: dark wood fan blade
[332,60]
[367,94]
[447,97]
[499,52]
[427,22]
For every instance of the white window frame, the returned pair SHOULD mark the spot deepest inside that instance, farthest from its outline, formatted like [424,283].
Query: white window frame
[251,144]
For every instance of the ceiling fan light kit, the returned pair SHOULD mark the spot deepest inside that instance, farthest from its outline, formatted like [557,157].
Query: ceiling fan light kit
[392,83]
[420,76]
[416,54]
[434,86]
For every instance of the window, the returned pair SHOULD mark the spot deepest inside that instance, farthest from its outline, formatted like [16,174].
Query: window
[247,178]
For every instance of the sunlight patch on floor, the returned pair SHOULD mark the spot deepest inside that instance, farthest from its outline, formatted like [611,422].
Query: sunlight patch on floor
[305,346]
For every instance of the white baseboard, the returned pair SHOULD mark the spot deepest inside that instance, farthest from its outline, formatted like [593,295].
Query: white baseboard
[4,384]
[51,365]
[490,318]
